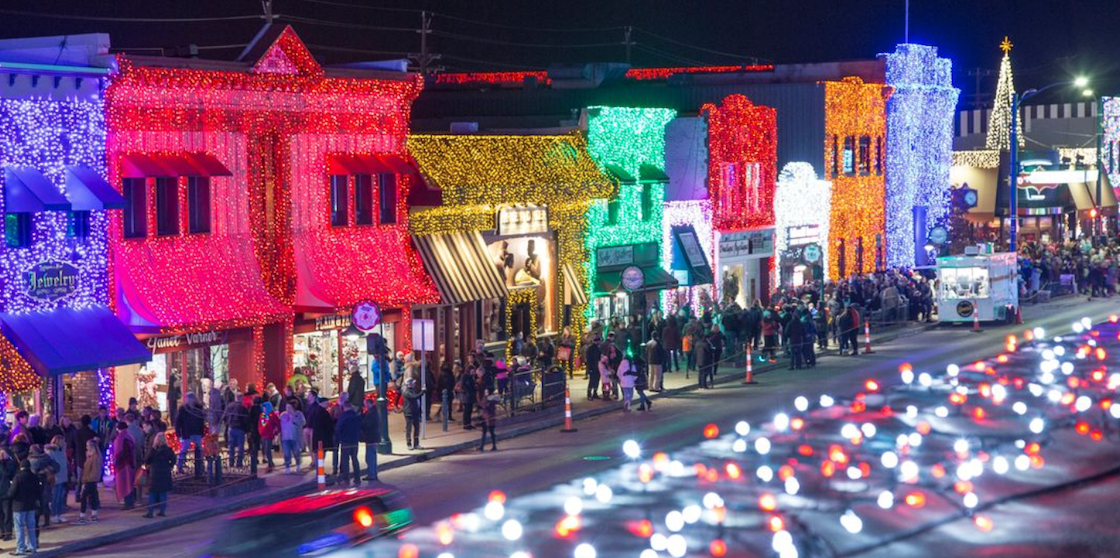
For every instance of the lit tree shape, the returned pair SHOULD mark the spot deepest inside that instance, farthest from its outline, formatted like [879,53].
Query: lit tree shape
[1000,122]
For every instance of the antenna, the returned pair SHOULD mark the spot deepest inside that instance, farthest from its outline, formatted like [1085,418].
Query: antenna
[266,5]
[425,58]
[906,31]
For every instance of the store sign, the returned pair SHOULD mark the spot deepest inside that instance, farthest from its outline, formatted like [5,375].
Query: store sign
[51,280]
[692,249]
[633,278]
[811,253]
[332,321]
[965,309]
[938,235]
[802,234]
[612,256]
[187,341]
[745,243]
[522,219]
[366,316]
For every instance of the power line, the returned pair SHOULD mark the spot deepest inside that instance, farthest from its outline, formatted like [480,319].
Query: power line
[533,29]
[328,23]
[361,7]
[668,56]
[469,38]
[132,19]
[695,47]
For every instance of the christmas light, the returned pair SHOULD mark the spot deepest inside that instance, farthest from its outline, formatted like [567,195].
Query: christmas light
[650,74]
[919,142]
[801,200]
[628,138]
[493,78]
[977,158]
[742,160]
[999,123]
[1110,139]
[698,214]
[853,111]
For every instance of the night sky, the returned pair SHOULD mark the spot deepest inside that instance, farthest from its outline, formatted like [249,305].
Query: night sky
[1053,39]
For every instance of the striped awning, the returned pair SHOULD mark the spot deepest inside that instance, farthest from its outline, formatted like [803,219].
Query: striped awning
[574,293]
[461,267]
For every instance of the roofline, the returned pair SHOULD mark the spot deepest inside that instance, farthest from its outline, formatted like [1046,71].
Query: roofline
[22,68]
[203,64]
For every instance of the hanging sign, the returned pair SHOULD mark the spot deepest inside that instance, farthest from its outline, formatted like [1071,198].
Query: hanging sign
[938,235]
[51,280]
[366,316]
[173,343]
[811,253]
[633,278]
[333,321]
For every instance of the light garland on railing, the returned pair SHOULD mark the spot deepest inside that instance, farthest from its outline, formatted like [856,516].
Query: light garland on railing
[743,134]
[854,108]
[977,158]
[918,145]
[801,199]
[629,138]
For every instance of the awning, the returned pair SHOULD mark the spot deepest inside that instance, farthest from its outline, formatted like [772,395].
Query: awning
[398,164]
[208,164]
[1082,198]
[87,191]
[67,340]
[656,279]
[618,173]
[689,255]
[574,292]
[461,267]
[423,194]
[26,190]
[344,163]
[140,165]
[651,174]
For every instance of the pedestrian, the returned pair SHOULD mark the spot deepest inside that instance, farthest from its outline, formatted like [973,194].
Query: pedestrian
[174,391]
[795,332]
[468,389]
[9,466]
[322,432]
[371,435]
[703,351]
[671,341]
[809,325]
[268,427]
[412,412]
[565,348]
[356,388]
[626,377]
[488,405]
[25,493]
[215,409]
[159,462]
[592,355]
[90,477]
[447,385]
[852,333]
[291,431]
[641,383]
[189,427]
[124,462]
[236,417]
[605,374]
[769,335]
[56,450]
[44,467]
[655,356]
[348,433]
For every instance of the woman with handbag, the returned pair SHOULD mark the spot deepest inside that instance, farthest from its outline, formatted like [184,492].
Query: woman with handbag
[158,466]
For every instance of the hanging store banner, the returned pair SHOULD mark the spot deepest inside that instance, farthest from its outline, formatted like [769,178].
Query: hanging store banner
[51,280]
[173,343]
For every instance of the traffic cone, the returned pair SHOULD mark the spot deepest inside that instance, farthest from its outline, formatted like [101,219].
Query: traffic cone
[568,426]
[750,367]
[1018,315]
[321,475]
[867,338]
[976,320]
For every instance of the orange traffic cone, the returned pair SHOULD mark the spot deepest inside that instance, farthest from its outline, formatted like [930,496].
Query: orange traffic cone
[866,338]
[568,426]
[976,319]
[320,474]
[750,367]
[1018,315]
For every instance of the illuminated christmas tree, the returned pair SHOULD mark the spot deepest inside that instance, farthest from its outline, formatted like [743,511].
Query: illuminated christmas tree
[1000,122]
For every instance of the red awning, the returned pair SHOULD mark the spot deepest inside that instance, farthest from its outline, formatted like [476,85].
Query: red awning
[208,164]
[144,165]
[178,163]
[139,165]
[357,164]
[399,164]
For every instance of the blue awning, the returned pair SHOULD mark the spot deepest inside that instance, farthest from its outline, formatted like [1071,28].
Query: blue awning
[87,191]
[26,190]
[70,340]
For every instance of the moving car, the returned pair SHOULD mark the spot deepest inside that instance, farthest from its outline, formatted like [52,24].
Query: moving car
[313,525]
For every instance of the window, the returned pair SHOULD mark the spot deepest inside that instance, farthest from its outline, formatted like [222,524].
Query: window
[17,230]
[730,193]
[387,192]
[835,155]
[340,184]
[363,199]
[864,155]
[77,225]
[612,212]
[135,212]
[848,156]
[198,204]
[879,156]
[167,206]
[647,202]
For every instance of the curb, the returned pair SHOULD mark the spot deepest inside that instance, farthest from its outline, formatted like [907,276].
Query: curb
[434,453]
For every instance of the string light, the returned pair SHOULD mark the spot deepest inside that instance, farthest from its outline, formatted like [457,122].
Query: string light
[493,78]
[920,119]
[628,138]
[854,109]
[999,123]
[977,158]
[651,74]
[1110,139]
[742,161]
[801,200]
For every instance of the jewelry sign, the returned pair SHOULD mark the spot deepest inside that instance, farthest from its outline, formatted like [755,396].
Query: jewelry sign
[51,280]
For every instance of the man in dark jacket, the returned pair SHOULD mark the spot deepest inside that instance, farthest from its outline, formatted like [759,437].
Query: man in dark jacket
[322,432]
[236,418]
[469,389]
[189,427]
[412,412]
[25,493]
[591,359]
[356,388]
[795,332]
[9,466]
[371,435]
[347,433]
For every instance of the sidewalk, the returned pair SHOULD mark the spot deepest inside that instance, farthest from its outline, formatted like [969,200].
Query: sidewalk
[116,525]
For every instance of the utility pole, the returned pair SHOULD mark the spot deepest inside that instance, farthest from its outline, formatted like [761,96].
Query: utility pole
[629,30]
[906,31]
[266,5]
[424,60]
[978,73]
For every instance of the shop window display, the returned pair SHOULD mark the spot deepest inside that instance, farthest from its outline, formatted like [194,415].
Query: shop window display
[964,283]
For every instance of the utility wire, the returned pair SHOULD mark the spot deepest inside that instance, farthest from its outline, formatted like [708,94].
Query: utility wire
[355,50]
[132,19]
[533,29]
[328,23]
[362,7]
[695,47]
[469,38]
[668,56]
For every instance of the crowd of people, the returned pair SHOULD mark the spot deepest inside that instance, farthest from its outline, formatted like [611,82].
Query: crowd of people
[1087,266]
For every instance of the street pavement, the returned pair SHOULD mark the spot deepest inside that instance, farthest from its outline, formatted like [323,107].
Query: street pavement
[532,463]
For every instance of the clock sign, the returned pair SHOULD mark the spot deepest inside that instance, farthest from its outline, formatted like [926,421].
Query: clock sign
[633,278]
[366,316]
[969,197]
[811,253]
[938,235]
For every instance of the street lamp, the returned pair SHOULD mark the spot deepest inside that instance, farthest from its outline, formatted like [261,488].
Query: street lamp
[1013,204]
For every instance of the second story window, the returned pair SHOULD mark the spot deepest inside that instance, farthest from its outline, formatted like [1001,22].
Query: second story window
[864,155]
[835,156]
[387,198]
[340,202]
[647,202]
[613,207]
[363,199]
[848,156]
[198,204]
[879,155]
[17,230]
[167,206]
[135,213]
[77,225]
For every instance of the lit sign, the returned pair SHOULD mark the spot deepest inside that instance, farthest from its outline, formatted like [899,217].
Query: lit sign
[744,243]
[614,255]
[51,280]
[366,316]
[333,321]
[803,234]
[522,219]
[172,342]
[633,278]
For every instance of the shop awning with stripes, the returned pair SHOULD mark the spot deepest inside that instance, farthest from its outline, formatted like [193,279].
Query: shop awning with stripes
[574,293]
[461,267]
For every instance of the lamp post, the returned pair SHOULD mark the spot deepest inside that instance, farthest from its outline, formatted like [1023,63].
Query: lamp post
[1013,181]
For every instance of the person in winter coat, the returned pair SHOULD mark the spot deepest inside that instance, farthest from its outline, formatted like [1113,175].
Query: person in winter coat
[809,354]
[641,383]
[56,450]
[236,417]
[25,492]
[671,341]
[291,432]
[605,373]
[704,353]
[45,467]
[159,462]
[769,335]
[89,477]
[322,430]
[268,428]
[189,428]
[356,387]
[626,378]
[592,356]
[655,356]
[489,408]
[124,460]
[348,433]
[9,466]
[795,331]
[371,435]
[412,412]
[468,389]
[216,410]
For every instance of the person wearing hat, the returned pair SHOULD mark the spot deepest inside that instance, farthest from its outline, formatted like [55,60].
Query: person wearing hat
[412,413]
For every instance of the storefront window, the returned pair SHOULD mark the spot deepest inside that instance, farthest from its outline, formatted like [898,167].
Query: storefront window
[316,354]
[526,262]
[964,283]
